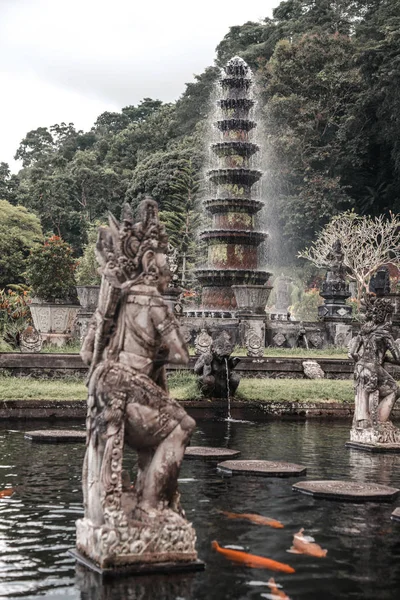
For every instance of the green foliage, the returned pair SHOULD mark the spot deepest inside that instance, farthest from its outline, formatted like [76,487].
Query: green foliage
[305,304]
[50,270]
[15,315]
[20,230]
[86,272]
[181,217]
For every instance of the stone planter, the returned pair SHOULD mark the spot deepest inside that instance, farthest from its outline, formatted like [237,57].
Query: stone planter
[55,322]
[251,298]
[88,296]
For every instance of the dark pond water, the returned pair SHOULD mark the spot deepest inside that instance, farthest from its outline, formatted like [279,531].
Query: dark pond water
[37,522]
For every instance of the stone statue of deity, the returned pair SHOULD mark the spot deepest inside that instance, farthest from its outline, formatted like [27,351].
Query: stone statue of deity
[376,390]
[215,368]
[133,334]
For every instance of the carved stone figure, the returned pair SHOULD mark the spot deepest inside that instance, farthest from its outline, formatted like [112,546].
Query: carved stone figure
[335,289]
[132,336]
[254,338]
[30,340]
[215,369]
[202,342]
[376,390]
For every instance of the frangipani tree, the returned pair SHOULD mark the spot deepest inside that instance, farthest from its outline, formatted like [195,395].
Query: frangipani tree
[367,244]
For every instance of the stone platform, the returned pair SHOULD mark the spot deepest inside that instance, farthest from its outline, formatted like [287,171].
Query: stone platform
[395,516]
[352,491]
[378,448]
[209,452]
[56,436]
[138,568]
[261,468]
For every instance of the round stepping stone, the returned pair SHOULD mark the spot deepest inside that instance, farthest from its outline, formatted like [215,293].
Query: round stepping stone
[396,514]
[210,452]
[54,436]
[352,491]
[262,468]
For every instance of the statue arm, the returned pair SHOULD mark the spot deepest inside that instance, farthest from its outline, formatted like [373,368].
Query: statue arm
[354,348]
[168,328]
[394,350]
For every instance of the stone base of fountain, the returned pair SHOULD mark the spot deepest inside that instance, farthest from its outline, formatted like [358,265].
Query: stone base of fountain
[138,568]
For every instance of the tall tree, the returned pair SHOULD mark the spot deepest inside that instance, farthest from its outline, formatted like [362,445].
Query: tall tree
[20,230]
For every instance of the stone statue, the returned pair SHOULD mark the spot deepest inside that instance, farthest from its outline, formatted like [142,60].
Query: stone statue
[202,342]
[215,369]
[335,289]
[132,336]
[30,340]
[376,390]
[254,340]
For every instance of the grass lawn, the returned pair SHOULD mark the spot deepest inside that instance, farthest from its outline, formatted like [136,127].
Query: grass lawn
[183,386]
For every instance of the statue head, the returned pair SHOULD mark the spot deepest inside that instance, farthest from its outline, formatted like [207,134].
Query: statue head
[135,251]
[222,346]
[378,310]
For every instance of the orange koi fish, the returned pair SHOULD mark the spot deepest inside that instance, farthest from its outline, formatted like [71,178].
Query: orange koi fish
[252,560]
[276,592]
[257,519]
[304,544]
[7,492]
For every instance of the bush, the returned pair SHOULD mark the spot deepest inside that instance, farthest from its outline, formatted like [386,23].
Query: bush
[15,316]
[50,271]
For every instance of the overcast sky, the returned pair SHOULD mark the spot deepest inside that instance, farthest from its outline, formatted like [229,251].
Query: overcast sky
[70,60]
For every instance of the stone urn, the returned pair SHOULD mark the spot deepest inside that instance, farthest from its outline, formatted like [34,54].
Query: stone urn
[88,296]
[251,299]
[54,321]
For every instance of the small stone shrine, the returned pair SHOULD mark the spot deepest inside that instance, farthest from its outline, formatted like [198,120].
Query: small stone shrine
[215,369]
[135,524]
[30,340]
[376,390]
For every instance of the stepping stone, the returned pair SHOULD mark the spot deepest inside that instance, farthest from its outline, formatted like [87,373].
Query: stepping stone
[210,452]
[395,516]
[352,491]
[54,436]
[262,468]
[389,448]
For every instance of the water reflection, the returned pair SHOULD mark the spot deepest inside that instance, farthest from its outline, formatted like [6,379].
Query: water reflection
[171,587]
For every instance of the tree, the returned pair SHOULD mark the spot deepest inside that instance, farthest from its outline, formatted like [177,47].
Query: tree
[20,231]
[367,244]
[181,216]
[310,87]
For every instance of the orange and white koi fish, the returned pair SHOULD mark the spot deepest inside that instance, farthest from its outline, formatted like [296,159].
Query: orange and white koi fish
[252,560]
[257,519]
[304,544]
[276,592]
[7,492]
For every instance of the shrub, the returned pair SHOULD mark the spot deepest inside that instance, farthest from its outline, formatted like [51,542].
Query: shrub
[15,315]
[50,270]
[87,268]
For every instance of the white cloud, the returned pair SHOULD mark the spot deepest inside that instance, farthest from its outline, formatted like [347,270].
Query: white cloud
[69,60]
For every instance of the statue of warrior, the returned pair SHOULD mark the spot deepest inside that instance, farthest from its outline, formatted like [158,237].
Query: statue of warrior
[376,390]
[132,336]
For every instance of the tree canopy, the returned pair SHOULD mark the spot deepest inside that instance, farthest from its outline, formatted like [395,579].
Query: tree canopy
[329,109]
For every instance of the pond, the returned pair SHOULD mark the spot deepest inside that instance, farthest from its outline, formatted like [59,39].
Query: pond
[37,524]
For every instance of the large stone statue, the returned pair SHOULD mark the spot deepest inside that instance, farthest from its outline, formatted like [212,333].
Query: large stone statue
[132,336]
[376,390]
[215,368]
[335,289]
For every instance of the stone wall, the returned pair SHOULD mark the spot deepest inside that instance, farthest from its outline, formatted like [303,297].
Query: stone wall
[58,366]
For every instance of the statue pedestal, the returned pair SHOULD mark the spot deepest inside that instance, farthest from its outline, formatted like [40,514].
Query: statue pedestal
[137,545]
[138,568]
[384,437]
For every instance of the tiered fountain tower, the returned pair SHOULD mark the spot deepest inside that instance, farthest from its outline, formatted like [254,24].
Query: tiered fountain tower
[232,239]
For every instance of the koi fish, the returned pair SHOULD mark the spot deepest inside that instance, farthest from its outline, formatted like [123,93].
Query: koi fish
[252,560]
[7,492]
[276,592]
[257,519]
[304,544]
